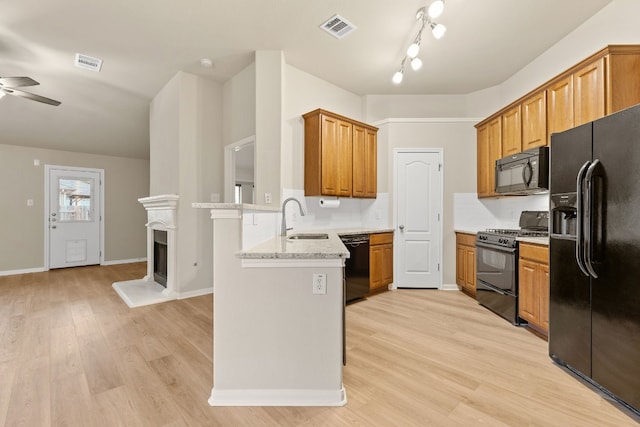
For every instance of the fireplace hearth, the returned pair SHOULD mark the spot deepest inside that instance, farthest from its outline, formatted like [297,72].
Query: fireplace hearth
[159,285]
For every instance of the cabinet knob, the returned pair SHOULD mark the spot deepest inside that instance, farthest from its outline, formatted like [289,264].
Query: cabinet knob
[401,227]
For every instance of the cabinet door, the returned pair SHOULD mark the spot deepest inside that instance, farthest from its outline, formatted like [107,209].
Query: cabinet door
[588,87]
[376,266]
[371,160]
[470,269]
[344,158]
[534,121]
[330,157]
[543,315]
[511,132]
[489,150]
[484,189]
[528,292]
[560,106]
[461,262]
[365,165]
[387,270]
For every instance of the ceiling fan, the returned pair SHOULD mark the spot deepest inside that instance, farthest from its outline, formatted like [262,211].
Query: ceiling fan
[9,85]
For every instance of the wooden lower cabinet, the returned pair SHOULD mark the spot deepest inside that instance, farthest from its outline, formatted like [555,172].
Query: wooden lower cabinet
[466,263]
[533,284]
[380,262]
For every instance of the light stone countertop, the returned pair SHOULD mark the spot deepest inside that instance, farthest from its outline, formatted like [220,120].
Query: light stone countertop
[281,247]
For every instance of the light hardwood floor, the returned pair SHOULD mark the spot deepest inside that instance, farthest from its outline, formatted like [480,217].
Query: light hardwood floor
[73,354]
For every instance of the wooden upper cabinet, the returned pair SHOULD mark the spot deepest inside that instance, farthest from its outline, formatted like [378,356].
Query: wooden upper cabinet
[340,156]
[511,131]
[589,92]
[560,106]
[335,146]
[534,121]
[622,76]
[489,150]
[365,154]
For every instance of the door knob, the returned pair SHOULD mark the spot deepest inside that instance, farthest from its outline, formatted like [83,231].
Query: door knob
[53,226]
[401,227]
[53,214]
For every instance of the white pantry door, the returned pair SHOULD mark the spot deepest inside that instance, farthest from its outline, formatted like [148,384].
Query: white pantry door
[418,214]
[74,217]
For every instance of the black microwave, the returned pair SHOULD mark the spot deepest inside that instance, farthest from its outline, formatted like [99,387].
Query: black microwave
[523,173]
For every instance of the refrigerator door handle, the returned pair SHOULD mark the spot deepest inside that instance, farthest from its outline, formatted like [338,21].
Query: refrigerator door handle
[590,212]
[580,219]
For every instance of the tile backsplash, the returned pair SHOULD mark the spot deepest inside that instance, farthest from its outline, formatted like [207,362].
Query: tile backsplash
[473,214]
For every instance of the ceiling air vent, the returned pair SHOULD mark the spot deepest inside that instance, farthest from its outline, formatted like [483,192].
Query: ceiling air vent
[88,62]
[337,26]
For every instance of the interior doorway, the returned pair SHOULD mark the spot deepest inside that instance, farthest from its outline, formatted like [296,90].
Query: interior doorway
[239,171]
[73,222]
[418,218]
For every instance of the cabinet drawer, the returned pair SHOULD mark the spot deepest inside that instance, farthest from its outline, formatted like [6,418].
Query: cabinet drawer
[535,252]
[380,238]
[466,239]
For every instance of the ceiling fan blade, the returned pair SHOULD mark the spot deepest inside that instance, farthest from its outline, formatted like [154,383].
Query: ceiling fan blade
[31,96]
[17,81]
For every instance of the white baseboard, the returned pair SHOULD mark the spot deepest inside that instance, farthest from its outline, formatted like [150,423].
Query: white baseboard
[196,293]
[278,397]
[449,287]
[124,261]
[25,271]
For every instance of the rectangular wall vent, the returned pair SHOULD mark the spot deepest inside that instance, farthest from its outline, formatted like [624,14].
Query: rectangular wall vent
[88,62]
[337,26]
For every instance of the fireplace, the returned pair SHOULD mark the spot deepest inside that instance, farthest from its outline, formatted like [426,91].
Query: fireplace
[160,283]
[160,257]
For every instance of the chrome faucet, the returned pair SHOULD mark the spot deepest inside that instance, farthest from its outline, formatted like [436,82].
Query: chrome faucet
[283,229]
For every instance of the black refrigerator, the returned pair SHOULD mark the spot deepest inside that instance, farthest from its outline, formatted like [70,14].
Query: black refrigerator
[594,307]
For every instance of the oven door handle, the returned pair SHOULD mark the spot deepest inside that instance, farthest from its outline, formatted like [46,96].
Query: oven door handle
[496,248]
[494,289]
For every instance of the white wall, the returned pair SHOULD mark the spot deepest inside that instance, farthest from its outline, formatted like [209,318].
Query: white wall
[304,93]
[239,106]
[164,134]
[187,159]
[269,123]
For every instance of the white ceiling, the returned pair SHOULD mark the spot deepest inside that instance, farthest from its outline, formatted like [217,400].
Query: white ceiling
[145,42]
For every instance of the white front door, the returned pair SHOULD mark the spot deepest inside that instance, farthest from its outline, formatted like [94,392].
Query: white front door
[73,217]
[418,237]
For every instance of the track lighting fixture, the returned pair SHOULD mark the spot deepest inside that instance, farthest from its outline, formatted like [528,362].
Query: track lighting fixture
[425,16]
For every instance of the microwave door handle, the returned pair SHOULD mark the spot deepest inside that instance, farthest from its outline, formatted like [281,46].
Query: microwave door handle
[527,167]
[590,213]
[580,219]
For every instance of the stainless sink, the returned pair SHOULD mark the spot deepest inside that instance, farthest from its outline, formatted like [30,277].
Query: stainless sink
[308,236]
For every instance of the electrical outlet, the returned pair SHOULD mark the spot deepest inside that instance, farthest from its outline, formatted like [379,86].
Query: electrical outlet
[267,198]
[319,283]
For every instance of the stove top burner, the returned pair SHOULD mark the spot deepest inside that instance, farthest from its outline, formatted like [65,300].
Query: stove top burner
[518,232]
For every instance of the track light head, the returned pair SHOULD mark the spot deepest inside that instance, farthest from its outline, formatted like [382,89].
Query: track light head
[435,9]
[397,77]
[438,30]
[416,63]
[413,49]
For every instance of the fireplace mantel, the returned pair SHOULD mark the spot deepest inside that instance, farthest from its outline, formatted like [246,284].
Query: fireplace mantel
[161,215]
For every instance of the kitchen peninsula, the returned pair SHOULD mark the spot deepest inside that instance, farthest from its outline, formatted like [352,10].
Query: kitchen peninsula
[277,336]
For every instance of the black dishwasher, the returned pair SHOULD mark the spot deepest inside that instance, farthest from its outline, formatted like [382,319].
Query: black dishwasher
[356,267]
